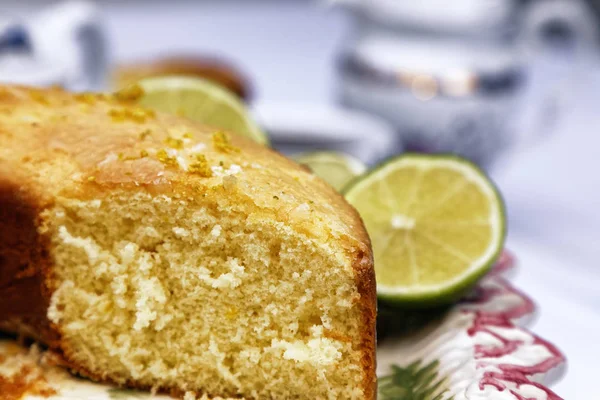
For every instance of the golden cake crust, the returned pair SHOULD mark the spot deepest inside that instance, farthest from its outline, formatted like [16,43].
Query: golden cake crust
[54,144]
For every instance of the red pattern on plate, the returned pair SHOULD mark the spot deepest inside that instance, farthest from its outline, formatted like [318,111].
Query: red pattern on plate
[491,310]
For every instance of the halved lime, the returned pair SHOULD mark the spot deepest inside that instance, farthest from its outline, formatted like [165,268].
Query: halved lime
[197,99]
[437,225]
[337,169]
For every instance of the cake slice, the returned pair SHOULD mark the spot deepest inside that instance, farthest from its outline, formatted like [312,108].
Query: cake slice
[152,252]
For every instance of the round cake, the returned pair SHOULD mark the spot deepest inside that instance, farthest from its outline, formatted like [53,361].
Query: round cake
[152,252]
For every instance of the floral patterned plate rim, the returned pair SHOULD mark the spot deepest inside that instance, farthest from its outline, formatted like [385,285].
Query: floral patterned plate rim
[478,349]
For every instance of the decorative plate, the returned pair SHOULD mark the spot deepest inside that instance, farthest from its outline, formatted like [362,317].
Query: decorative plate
[476,350]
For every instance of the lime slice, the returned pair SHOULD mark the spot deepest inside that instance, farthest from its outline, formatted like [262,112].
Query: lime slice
[199,100]
[436,223]
[337,169]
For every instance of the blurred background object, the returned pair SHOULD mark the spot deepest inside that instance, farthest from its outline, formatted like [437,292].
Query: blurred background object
[595,4]
[212,69]
[439,96]
[296,127]
[452,77]
[17,63]
[57,44]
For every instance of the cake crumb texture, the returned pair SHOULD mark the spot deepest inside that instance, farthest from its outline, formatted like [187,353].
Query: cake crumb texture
[23,372]
[254,280]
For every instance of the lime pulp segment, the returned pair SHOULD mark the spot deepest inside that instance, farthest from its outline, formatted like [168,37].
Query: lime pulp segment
[436,224]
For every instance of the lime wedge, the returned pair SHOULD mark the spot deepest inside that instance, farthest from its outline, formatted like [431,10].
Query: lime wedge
[197,99]
[437,225]
[337,169]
